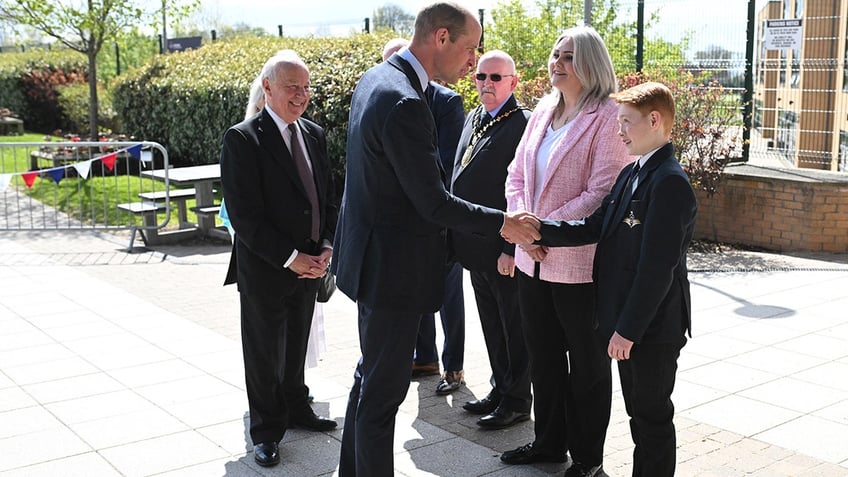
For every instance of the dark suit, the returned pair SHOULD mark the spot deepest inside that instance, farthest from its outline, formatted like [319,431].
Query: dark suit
[390,250]
[448,114]
[642,292]
[482,181]
[271,213]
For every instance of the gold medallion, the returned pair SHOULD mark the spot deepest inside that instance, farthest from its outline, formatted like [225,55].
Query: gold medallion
[466,158]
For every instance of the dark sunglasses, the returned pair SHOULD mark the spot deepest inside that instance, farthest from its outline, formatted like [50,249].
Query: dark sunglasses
[494,77]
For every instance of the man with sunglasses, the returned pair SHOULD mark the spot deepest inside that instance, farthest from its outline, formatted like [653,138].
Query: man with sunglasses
[487,145]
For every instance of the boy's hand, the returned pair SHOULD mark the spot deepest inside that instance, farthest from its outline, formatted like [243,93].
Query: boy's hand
[619,347]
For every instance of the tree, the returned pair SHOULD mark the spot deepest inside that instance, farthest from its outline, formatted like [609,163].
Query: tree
[83,29]
[528,36]
[392,17]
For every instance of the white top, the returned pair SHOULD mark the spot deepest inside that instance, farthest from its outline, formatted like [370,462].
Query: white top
[543,157]
[286,133]
[642,161]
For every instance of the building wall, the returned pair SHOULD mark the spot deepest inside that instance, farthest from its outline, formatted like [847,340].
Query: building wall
[777,211]
[804,118]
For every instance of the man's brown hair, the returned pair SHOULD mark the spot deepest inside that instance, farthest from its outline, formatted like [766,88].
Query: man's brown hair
[647,97]
[442,15]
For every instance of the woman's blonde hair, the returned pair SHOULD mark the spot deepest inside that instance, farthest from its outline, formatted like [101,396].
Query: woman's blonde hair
[592,67]
[256,99]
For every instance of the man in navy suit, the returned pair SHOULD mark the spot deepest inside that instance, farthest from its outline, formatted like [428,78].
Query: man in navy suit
[487,146]
[390,249]
[448,114]
[280,198]
[643,229]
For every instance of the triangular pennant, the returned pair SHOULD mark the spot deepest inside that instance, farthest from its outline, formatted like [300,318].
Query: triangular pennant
[57,173]
[135,151]
[4,181]
[83,168]
[109,160]
[29,178]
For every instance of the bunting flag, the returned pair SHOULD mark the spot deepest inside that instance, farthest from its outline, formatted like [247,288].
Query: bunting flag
[109,160]
[29,178]
[57,173]
[83,168]
[135,151]
[4,181]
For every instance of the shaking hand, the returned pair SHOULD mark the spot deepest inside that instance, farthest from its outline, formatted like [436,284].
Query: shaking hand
[520,228]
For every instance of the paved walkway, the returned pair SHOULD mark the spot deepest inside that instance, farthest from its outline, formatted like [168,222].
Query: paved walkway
[129,364]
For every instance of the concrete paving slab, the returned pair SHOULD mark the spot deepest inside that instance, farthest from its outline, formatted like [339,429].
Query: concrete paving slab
[92,337]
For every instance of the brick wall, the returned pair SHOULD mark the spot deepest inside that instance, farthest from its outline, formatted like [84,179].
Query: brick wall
[788,210]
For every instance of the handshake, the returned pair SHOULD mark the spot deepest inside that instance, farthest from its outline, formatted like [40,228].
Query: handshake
[520,228]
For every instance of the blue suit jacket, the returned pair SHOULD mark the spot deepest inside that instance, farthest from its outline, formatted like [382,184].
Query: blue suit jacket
[390,248]
[449,114]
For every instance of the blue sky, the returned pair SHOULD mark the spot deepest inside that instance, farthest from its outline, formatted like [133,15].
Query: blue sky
[720,22]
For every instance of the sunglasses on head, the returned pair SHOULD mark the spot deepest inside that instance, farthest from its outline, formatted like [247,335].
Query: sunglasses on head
[494,77]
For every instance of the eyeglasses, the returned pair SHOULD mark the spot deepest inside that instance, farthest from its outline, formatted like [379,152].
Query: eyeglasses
[494,77]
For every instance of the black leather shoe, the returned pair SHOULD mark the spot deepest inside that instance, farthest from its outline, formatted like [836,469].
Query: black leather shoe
[579,469]
[266,454]
[487,405]
[501,418]
[529,455]
[313,422]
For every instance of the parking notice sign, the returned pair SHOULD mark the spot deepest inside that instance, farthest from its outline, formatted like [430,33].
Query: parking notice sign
[782,34]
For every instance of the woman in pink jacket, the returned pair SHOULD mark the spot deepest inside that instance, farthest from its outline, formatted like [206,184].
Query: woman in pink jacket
[564,166]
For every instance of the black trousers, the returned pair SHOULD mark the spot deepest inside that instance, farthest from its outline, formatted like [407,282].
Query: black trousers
[497,304]
[452,314]
[274,333]
[569,368]
[380,384]
[647,381]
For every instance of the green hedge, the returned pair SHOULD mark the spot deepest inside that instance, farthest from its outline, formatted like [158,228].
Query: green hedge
[74,100]
[29,82]
[187,100]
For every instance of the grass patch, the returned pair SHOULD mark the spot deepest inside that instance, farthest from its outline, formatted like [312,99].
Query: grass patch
[92,201]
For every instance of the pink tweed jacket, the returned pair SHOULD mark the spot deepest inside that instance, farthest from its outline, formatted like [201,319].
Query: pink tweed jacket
[582,169]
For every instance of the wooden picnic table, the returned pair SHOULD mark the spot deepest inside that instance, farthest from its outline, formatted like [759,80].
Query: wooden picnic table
[202,179]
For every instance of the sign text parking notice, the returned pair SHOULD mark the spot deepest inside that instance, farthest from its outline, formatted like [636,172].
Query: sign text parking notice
[782,34]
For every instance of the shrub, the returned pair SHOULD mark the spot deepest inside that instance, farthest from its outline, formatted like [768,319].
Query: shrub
[28,84]
[41,88]
[73,101]
[707,128]
[186,101]
[531,91]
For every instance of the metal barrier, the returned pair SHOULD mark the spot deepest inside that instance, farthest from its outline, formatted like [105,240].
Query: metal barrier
[85,186]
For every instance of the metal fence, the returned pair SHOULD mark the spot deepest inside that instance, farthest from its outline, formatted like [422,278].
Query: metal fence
[794,100]
[82,186]
[798,95]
